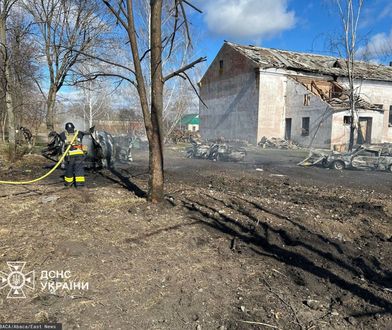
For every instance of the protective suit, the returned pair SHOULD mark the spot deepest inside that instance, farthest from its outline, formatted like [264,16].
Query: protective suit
[74,161]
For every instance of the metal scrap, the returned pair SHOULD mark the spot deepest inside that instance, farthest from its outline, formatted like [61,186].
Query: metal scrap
[315,157]
[215,151]
[374,157]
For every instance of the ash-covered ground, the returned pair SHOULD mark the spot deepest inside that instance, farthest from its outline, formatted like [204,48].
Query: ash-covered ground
[261,244]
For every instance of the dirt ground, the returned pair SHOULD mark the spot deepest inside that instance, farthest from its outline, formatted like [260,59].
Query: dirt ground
[262,244]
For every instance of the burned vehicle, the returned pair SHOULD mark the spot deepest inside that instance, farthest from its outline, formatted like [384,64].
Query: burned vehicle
[123,145]
[102,151]
[374,157]
[215,152]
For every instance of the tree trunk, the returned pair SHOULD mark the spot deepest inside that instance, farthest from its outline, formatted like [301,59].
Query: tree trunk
[50,103]
[352,109]
[352,114]
[90,109]
[3,124]
[7,87]
[11,118]
[156,192]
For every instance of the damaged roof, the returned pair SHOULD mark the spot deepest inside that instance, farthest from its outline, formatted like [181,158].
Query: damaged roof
[274,58]
[334,94]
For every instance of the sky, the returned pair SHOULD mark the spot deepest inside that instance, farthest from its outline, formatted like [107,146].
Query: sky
[296,25]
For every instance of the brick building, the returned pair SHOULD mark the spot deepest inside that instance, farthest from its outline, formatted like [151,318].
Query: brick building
[253,92]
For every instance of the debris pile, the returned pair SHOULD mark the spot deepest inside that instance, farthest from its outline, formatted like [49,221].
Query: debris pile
[276,143]
[178,136]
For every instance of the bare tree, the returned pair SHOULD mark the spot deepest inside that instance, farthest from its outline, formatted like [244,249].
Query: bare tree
[181,98]
[123,11]
[67,29]
[95,95]
[28,100]
[350,12]
[5,10]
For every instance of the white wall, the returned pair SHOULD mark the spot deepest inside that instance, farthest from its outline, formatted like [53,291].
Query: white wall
[272,105]
[341,133]
[377,92]
[193,128]
[318,111]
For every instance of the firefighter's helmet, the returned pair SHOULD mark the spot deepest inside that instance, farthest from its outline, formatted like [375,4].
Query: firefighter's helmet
[70,128]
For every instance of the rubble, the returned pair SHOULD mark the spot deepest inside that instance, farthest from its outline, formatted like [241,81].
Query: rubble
[276,143]
[178,136]
[336,95]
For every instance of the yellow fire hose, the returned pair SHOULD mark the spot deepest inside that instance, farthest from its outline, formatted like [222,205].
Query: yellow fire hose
[51,171]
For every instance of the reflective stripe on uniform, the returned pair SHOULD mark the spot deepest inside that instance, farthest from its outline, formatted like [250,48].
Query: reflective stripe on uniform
[75,152]
[79,178]
[68,179]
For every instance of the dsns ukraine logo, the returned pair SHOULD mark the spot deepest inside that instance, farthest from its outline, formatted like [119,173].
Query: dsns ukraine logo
[16,279]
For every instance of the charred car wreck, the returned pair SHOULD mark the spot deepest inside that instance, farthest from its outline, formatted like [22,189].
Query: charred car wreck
[371,157]
[215,152]
[102,149]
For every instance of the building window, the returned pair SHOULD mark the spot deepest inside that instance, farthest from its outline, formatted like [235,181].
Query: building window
[347,120]
[221,66]
[390,116]
[305,126]
[306,99]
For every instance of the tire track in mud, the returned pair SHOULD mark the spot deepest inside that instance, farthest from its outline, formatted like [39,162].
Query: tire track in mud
[312,256]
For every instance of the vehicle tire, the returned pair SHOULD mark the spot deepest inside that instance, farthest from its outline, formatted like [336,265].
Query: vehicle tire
[324,163]
[338,165]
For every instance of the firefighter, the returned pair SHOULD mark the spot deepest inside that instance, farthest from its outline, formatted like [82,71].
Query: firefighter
[74,163]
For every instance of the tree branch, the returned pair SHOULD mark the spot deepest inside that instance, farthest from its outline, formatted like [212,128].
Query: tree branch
[194,87]
[94,76]
[184,68]
[116,14]
[94,57]
[192,6]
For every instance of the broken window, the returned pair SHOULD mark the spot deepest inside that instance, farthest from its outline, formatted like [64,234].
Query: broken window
[390,116]
[371,153]
[305,126]
[306,99]
[347,120]
[221,66]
